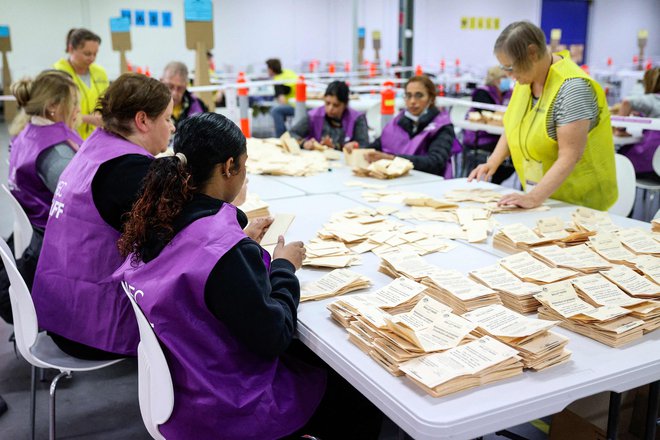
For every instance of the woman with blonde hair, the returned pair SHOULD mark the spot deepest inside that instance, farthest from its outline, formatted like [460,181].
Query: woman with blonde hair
[44,140]
[648,104]
[496,90]
[556,128]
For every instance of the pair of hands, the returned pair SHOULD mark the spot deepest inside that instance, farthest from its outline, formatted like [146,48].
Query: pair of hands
[618,131]
[309,143]
[484,172]
[349,146]
[371,156]
[293,252]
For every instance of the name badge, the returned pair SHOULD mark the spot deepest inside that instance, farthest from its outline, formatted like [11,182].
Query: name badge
[533,170]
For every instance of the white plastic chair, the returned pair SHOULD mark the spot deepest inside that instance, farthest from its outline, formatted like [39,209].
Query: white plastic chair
[155,388]
[22,226]
[649,187]
[37,347]
[625,180]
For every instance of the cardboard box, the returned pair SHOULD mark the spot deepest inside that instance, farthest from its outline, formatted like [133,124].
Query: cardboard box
[568,425]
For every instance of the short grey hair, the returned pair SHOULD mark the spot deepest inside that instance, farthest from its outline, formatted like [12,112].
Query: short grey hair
[516,40]
[176,68]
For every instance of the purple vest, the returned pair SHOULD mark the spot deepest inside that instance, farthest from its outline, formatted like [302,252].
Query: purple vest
[317,118]
[221,389]
[195,106]
[477,139]
[24,180]
[395,140]
[74,293]
[641,153]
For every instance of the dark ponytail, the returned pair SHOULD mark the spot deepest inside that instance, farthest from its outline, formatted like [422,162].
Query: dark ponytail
[206,140]
[165,190]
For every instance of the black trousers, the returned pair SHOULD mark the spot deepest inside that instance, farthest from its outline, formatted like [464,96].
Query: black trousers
[344,413]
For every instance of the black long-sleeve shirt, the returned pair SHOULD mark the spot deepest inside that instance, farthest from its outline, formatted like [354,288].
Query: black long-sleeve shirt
[439,149]
[116,186]
[258,309]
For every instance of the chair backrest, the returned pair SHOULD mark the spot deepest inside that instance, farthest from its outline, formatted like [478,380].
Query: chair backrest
[22,225]
[626,183]
[155,388]
[656,160]
[26,327]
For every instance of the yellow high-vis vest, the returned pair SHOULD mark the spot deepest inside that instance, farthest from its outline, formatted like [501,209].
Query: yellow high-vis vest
[291,78]
[592,182]
[88,95]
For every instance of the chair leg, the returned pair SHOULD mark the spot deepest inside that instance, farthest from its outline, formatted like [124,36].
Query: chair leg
[652,410]
[613,415]
[53,389]
[33,396]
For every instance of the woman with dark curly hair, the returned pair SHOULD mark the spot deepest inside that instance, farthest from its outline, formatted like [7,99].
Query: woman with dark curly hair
[225,313]
[77,302]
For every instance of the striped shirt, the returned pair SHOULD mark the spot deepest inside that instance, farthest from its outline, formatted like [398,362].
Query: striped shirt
[575,101]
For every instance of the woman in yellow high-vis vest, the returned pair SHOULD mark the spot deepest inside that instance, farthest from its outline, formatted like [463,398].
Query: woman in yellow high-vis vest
[556,128]
[82,46]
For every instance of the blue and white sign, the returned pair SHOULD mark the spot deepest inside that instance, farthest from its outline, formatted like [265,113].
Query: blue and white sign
[139,17]
[166,18]
[198,10]
[153,18]
[120,24]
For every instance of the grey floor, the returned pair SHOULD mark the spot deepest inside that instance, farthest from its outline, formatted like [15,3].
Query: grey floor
[95,405]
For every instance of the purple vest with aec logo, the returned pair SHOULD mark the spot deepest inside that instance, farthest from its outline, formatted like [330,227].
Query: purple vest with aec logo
[74,293]
[221,389]
[317,118]
[24,181]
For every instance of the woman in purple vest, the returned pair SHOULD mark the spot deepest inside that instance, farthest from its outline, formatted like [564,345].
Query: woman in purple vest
[420,133]
[641,153]
[44,142]
[225,313]
[335,125]
[76,300]
[496,90]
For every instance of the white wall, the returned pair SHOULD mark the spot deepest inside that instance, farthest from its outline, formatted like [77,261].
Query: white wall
[247,32]
[438,32]
[613,31]
[380,15]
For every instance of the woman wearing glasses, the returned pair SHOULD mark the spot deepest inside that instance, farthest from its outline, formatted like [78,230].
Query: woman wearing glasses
[420,133]
[556,128]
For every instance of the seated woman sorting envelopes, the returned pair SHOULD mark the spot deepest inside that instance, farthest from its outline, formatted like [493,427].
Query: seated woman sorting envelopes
[334,124]
[84,310]
[420,133]
[224,312]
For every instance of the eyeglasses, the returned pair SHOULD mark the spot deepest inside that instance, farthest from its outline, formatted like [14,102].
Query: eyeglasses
[174,87]
[418,96]
[507,68]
